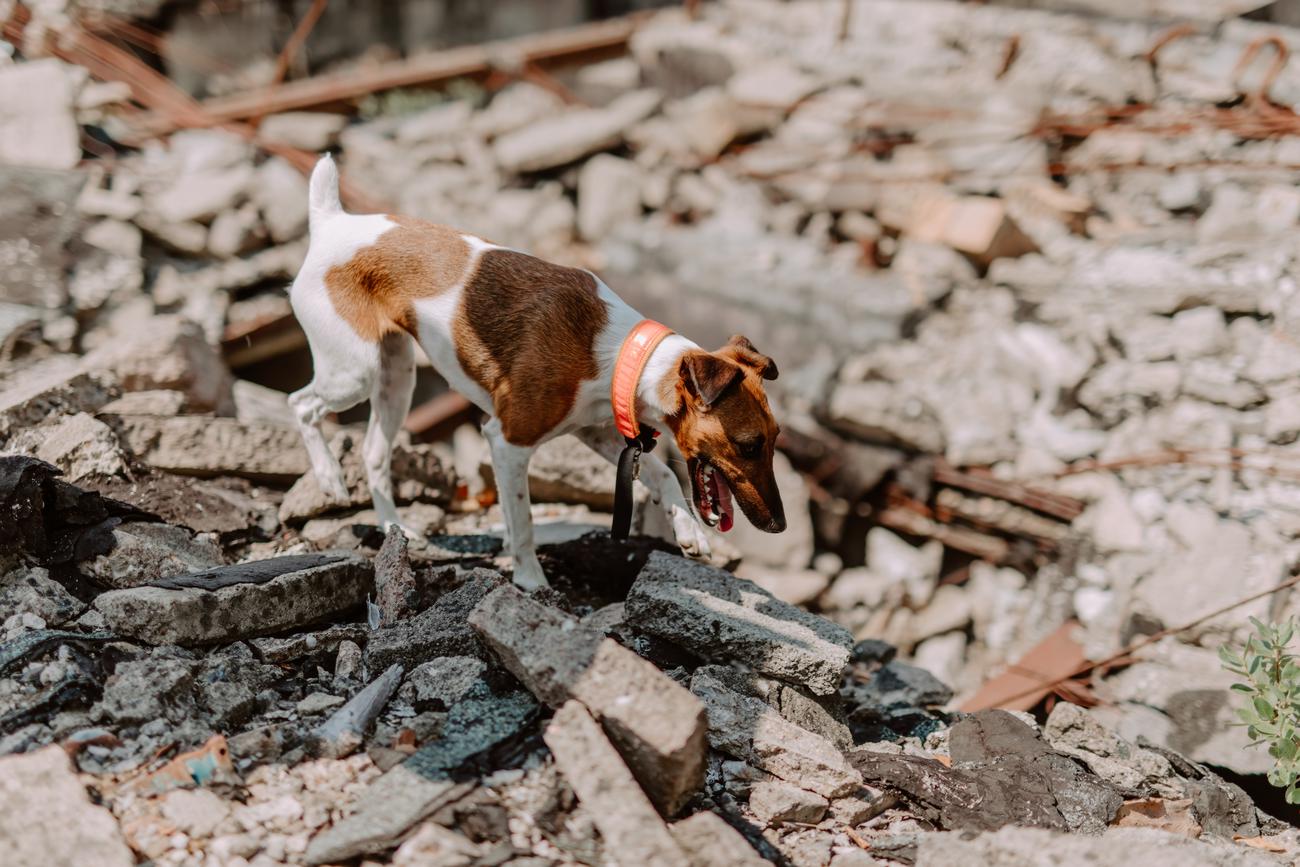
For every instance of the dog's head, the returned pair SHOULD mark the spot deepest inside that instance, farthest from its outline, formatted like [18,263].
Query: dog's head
[726,432]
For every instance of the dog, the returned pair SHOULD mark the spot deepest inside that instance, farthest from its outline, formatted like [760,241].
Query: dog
[535,346]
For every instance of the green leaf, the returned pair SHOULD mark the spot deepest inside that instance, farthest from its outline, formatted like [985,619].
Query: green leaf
[1242,687]
[1292,794]
[1263,707]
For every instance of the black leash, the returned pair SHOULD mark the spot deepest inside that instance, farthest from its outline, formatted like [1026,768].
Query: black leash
[629,469]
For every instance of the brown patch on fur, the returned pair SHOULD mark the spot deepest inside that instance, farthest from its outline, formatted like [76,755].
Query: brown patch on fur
[375,290]
[526,331]
[732,429]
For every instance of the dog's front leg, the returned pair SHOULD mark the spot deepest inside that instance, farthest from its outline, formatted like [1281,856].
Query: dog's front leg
[510,466]
[665,489]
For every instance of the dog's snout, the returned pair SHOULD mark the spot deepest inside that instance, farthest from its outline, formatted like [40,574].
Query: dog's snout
[776,525]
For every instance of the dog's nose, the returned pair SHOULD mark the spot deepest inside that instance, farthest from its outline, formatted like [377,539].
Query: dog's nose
[776,525]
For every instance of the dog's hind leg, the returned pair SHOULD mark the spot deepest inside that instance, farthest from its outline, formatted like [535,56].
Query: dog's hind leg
[510,466]
[344,367]
[390,401]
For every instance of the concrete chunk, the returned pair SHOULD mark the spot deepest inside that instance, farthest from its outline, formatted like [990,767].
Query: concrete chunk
[724,618]
[748,729]
[708,840]
[776,802]
[659,727]
[821,716]
[192,616]
[626,818]
[556,140]
[47,818]
[194,445]
[57,385]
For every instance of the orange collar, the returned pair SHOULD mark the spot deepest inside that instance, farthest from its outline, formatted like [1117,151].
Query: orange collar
[632,357]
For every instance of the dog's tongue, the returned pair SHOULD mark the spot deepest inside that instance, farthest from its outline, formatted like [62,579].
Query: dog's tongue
[727,519]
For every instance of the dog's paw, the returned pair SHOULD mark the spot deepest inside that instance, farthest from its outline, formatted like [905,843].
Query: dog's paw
[528,574]
[691,537]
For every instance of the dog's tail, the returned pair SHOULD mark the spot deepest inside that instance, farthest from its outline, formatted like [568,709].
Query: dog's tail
[323,192]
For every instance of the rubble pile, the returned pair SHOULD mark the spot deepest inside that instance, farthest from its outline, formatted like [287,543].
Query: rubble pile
[1029,281]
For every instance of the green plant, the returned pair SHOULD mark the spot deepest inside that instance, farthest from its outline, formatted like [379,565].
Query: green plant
[1272,689]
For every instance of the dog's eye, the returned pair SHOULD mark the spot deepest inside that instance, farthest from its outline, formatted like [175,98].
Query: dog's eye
[750,447]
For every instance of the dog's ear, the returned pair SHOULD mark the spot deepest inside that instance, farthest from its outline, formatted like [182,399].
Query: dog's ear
[706,376]
[747,355]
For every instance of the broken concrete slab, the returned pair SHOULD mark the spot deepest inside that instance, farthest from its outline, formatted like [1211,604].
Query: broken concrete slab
[78,444]
[418,476]
[820,715]
[201,446]
[1071,730]
[173,353]
[658,726]
[748,729]
[396,591]
[609,192]
[442,629]
[56,386]
[1002,774]
[191,616]
[719,617]
[439,683]
[145,553]
[46,817]
[627,820]
[32,591]
[708,841]
[424,783]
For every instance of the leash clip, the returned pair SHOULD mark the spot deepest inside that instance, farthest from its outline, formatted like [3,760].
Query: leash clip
[629,470]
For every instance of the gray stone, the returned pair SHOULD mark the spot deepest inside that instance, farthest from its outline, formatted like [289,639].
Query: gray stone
[776,803]
[172,353]
[554,141]
[196,812]
[32,591]
[627,820]
[193,616]
[280,193]
[313,131]
[144,553]
[709,841]
[61,826]
[748,729]
[78,444]
[723,618]
[200,196]
[899,685]
[658,726]
[199,446]
[38,125]
[878,411]
[443,681]
[1071,730]
[442,629]
[819,715]
[54,387]
[318,702]
[150,689]
[235,232]
[609,192]
[1034,847]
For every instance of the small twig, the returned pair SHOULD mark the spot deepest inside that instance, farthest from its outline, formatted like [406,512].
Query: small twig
[1135,646]
[858,839]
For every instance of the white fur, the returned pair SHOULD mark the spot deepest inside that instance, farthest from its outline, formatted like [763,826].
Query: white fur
[349,369]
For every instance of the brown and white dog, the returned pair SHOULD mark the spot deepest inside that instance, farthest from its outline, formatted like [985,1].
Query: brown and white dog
[532,344]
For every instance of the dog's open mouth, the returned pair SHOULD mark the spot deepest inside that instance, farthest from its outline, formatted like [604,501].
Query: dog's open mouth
[712,496]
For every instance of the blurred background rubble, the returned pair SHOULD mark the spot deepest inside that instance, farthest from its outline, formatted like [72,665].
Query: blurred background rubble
[1029,270]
